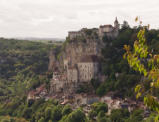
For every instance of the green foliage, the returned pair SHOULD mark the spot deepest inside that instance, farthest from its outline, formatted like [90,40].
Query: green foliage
[66,110]
[84,88]
[98,110]
[11,119]
[100,107]
[119,76]
[95,83]
[142,60]
[119,115]
[76,116]
[56,113]
[23,66]
[136,116]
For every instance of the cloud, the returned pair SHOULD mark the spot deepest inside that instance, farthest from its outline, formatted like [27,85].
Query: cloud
[54,18]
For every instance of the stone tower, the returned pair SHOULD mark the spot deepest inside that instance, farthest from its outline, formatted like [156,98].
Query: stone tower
[116,24]
[116,28]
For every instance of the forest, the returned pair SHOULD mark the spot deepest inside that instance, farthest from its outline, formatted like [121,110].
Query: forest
[24,66]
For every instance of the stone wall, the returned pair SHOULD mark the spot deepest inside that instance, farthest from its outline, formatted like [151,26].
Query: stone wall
[87,71]
[73,34]
[72,75]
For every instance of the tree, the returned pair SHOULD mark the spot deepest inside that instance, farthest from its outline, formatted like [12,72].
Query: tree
[56,113]
[92,114]
[41,119]
[66,110]
[76,116]
[48,113]
[136,116]
[119,115]
[141,59]
[125,25]
[98,107]
[95,83]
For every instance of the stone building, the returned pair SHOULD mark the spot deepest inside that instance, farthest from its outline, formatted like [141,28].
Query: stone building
[88,68]
[38,93]
[57,83]
[72,75]
[109,30]
[80,62]
[74,34]
[84,71]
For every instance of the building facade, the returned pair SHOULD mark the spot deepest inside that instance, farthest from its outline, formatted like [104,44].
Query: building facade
[104,30]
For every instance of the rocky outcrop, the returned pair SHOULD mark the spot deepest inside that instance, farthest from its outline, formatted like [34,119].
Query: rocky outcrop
[74,63]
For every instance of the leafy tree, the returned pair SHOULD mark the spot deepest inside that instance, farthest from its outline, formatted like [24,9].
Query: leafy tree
[143,60]
[76,116]
[136,116]
[98,107]
[92,115]
[48,112]
[56,113]
[95,83]
[66,110]
[119,115]
[41,120]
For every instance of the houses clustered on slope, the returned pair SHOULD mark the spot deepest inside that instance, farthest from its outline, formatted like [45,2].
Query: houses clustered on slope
[81,59]
[78,64]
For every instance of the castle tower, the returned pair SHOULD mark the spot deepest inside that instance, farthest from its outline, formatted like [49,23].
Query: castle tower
[116,24]
[116,28]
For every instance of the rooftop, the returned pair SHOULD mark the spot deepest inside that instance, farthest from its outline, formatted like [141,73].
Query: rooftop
[103,26]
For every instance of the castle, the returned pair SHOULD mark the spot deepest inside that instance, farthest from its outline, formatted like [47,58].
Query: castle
[103,30]
[80,60]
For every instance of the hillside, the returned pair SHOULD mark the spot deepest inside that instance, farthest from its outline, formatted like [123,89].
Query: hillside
[24,67]
[21,64]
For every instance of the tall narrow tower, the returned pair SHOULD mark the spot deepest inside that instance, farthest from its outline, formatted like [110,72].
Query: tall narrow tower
[116,28]
[116,24]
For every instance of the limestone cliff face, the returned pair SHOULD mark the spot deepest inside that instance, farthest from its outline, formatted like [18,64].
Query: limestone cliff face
[54,60]
[82,43]
[78,60]
[76,49]
[73,51]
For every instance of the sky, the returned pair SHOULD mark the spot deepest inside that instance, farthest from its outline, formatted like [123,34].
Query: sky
[54,18]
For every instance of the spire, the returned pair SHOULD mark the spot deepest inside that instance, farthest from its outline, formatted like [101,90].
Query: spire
[116,23]
[116,20]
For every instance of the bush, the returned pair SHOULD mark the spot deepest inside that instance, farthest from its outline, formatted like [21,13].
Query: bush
[66,110]
[76,116]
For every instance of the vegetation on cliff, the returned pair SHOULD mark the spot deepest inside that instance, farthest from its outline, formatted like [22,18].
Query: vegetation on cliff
[120,77]
[23,67]
[144,60]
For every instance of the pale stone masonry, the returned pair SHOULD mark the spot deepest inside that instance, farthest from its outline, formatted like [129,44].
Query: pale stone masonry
[88,68]
[108,30]
[73,34]
[72,75]
[80,60]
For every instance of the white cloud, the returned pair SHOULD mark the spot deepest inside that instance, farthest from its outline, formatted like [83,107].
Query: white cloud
[54,18]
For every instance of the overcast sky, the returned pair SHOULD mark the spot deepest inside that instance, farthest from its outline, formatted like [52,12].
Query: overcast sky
[54,18]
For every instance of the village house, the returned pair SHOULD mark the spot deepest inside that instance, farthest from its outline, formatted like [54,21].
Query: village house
[88,68]
[80,62]
[38,93]
[84,71]
[58,81]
